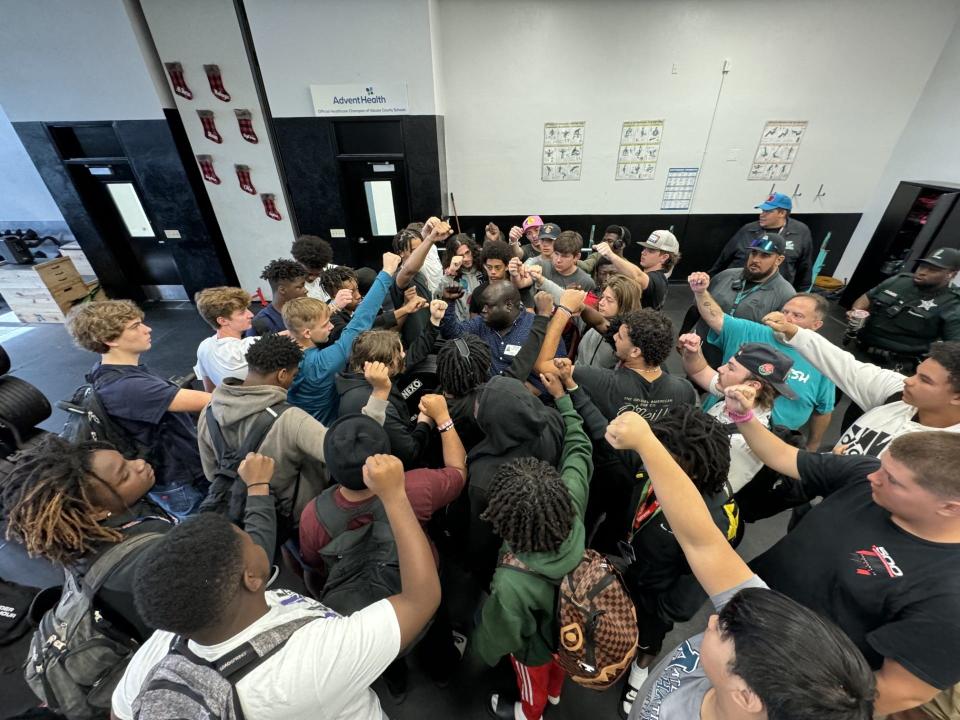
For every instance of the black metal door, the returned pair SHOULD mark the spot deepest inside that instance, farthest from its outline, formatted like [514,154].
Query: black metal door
[376,205]
[109,192]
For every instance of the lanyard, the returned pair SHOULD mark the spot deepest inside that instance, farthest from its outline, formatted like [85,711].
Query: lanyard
[742,295]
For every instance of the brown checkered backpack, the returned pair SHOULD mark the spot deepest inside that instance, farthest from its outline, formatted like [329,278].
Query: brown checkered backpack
[597,620]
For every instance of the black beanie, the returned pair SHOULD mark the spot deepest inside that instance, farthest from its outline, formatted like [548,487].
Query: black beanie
[348,444]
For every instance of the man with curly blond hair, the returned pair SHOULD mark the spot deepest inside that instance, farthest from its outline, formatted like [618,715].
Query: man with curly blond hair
[153,411]
[223,354]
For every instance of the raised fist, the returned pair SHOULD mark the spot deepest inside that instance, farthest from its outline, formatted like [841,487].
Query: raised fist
[699,282]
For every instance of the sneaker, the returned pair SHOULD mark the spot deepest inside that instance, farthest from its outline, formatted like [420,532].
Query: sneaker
[553,699]
[638,676]
[505,710]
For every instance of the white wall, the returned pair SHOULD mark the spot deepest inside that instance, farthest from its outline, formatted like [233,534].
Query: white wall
[208,32]
[853,69]
[304,42]
[927,150]
[67,60]
[23,195]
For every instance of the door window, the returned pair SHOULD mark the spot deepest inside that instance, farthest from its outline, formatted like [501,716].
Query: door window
[379,195]
[124,196]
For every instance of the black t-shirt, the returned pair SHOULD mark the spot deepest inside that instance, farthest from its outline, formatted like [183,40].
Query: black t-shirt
[416,322]
[894,594]
[137,399]
[623,390]
[656,291]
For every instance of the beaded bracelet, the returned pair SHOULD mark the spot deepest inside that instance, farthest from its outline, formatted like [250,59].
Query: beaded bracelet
[445,426]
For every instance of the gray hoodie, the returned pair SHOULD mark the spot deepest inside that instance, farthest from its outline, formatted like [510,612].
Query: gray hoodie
[295,442]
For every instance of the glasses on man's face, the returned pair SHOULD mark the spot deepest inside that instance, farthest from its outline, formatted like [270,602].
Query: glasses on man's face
[764,244]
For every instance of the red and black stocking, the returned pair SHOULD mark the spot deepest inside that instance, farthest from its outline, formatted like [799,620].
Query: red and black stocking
[243,175]
[216,82]
[175,71]
[270,206]
[206,167]
[245,119]
[209,126]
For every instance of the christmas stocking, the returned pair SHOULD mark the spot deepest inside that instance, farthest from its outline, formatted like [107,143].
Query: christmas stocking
[206,167]
[270,205]
[209,126]
[216,82]
[246,126]
[243,175]
[175,70]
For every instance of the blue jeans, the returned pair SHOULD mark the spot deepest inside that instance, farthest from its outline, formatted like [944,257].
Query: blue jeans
[180,501]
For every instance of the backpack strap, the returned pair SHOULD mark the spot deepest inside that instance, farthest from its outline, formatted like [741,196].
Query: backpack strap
[228,457]
[336,520]
[104,565]
[236,664]
[512,562]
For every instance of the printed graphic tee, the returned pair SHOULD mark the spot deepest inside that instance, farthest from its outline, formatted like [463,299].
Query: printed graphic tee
[674,690]
[894,594]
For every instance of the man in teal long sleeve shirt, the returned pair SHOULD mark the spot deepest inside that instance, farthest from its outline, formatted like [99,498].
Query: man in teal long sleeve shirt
[539,514]
[308,320]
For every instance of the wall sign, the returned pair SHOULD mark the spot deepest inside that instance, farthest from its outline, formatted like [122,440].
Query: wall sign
[778,147]
[678,190]
[360,99]
[639,149]
[562,157]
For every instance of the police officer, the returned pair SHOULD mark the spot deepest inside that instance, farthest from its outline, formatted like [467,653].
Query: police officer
[908,312]
[799,252]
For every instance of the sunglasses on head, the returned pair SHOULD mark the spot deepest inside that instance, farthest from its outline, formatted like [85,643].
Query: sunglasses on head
[765,245]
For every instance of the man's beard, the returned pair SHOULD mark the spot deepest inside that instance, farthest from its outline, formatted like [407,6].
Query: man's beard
[498,323]
[755,275]
[925,284]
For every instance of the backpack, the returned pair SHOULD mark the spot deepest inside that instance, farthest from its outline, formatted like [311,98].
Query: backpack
[88,421]
[77,656]
[362,564]
[228,492]
[183,685]
[597,620]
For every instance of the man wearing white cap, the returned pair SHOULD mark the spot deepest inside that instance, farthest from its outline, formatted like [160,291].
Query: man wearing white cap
[661,252]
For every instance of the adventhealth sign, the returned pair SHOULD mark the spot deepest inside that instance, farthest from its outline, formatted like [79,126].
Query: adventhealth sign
[365,99]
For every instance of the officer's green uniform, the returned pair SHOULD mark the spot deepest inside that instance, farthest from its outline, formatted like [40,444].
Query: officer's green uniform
[906,320]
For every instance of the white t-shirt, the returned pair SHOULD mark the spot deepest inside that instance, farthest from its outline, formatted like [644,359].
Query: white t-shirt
[323,671]
[315,289]
[744,463]
[219,358]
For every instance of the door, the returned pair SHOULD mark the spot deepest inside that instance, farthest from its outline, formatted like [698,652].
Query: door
[375,201]
[112,198]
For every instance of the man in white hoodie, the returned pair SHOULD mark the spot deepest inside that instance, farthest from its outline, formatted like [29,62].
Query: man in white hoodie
[893,404]
[296,437]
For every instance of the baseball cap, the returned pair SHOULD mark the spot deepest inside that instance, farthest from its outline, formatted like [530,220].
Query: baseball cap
[532,221]
[767,363]
[348,443]
[662,240]
[550,231]
[776,200]
[947,258]
[769,244]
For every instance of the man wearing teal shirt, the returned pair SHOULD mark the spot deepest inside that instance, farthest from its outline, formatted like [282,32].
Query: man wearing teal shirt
[815,393]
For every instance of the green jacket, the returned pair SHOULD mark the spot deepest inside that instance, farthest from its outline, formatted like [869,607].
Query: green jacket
[519,617]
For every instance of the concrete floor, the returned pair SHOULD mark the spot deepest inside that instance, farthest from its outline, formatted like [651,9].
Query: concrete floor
[45,356]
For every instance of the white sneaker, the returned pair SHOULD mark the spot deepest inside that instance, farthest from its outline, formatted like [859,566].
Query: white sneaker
[638,676]
[553,699]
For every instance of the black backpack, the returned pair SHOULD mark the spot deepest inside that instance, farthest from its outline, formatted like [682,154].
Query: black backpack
[228,492]
[88,421]
[77,655]
[362,564]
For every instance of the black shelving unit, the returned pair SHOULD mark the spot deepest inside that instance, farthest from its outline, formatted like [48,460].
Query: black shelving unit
[921,217]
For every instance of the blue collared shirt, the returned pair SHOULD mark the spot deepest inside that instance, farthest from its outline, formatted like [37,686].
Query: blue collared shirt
[503,347]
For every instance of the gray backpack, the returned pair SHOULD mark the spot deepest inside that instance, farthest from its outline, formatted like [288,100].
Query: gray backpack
[76,655]
[183,685]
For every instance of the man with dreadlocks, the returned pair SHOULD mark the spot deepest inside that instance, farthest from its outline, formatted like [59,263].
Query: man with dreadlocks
[286,278]
[538,512]
[69,503]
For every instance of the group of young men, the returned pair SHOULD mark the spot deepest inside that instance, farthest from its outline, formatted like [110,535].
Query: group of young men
[510,398]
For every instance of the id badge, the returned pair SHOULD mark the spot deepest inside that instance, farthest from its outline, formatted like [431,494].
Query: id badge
[511,350]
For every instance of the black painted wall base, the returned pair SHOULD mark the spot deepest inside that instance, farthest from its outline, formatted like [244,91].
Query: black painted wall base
[701,236]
